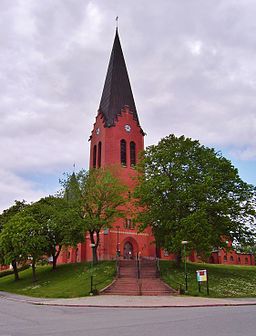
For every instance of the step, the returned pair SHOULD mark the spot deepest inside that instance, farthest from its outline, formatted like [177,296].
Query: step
[148,284]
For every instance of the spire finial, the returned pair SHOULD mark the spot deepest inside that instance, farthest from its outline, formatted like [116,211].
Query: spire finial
[117,23]
[74,167]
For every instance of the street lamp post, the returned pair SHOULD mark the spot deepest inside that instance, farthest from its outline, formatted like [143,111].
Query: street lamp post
[117,242]
[91,292]
[184,243]
[92,246]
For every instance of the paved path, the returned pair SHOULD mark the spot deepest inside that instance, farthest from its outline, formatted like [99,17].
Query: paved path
[116,301]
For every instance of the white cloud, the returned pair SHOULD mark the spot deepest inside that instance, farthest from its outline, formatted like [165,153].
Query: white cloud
[195,47]
[15,188]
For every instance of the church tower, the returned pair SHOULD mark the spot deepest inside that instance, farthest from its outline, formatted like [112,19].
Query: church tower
[117,137]
[116,140]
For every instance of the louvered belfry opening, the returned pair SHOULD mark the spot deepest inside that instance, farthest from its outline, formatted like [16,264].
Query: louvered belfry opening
[99,154]
[123,152]
[132,153]
[94,156]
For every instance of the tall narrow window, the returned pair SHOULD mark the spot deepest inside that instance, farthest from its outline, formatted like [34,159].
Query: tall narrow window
[99,154]
[128,224]
[132,153]
[123,152]
[94,156]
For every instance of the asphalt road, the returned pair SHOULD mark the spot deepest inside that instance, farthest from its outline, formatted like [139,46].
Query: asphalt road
[17,318]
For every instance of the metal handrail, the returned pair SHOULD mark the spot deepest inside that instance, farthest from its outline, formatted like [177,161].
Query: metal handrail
[117,267]
[157,267]
[138,267]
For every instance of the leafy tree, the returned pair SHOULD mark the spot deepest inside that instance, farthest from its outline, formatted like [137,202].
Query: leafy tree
[98,200]
[41,228]
[4,218]
[29,236]
[72,192]
[13,210]
[60,222]
[11,251]
[191,192]
[21,239]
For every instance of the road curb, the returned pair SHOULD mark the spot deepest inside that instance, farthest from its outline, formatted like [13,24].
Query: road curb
[142,306]
[146,306]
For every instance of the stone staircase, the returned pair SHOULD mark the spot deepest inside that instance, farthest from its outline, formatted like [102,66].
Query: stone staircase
[138,279]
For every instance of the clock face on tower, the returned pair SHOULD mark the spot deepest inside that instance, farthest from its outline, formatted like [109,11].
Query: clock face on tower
[127,128]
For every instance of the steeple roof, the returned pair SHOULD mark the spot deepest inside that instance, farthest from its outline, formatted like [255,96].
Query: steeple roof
[117,90]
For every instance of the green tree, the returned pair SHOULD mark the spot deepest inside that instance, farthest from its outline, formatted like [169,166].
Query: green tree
[10,212]
[4,218]
[22,238]
[61,224]
[191,192]
[98,200]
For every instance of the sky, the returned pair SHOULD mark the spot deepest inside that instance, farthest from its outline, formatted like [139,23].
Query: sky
[191,65]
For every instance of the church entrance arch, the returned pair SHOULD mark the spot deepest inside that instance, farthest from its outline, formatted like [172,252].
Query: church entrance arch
[128,250]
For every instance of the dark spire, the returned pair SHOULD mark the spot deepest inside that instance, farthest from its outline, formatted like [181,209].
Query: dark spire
[117,90]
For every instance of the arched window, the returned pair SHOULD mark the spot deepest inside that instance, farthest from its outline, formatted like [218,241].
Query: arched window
[246,260]
[123,152]
[225,258]
[99,154]
[132,153]
[128,224]
[94,156]
[231,258]
[77,255]
[239,259]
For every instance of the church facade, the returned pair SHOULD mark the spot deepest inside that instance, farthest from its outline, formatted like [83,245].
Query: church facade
[116,141]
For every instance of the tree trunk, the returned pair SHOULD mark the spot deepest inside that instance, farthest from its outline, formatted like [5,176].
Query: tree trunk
[55,258]
[34,270]
[54,262]
[178,259]
[94,255]
[15,270]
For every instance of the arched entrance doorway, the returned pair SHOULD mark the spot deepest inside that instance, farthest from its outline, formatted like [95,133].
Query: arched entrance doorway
[128,250]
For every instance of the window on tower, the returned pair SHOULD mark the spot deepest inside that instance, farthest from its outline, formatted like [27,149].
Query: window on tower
[123,152]
[99,154]
[132,153]
[94,156]
[128,224]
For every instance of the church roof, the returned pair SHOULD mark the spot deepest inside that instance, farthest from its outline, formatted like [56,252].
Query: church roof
[117,90]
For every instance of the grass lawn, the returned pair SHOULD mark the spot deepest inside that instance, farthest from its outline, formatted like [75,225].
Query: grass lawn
[70,280]
[224,280]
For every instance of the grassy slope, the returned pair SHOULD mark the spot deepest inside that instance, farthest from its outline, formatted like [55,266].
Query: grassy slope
[73,280]
[70,280]
[224,280]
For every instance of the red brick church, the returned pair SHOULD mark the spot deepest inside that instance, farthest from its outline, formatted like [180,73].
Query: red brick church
[116,139]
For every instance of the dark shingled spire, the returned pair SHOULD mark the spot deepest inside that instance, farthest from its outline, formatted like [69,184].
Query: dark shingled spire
[117,90]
